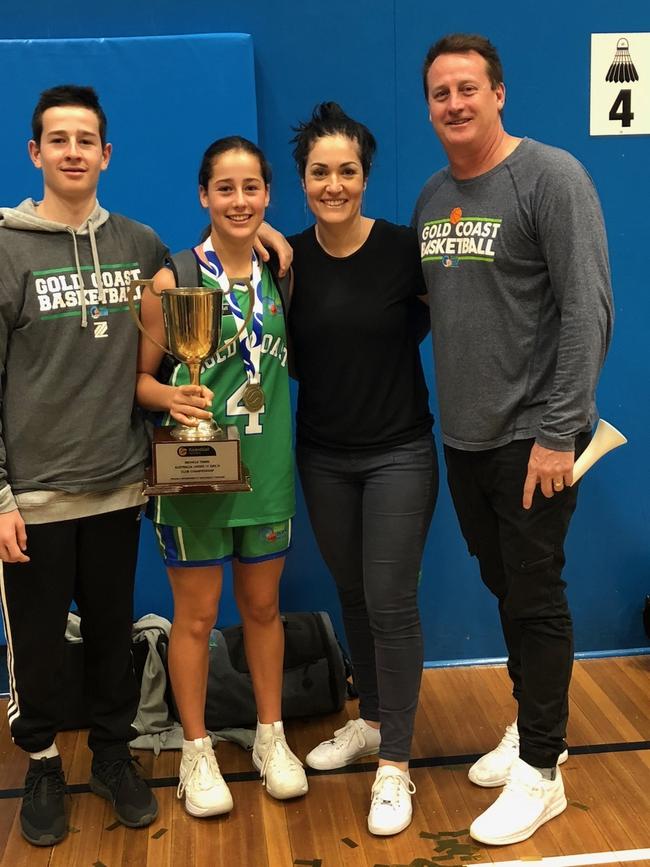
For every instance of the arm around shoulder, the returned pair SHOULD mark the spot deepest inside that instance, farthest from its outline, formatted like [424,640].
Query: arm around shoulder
[268,237]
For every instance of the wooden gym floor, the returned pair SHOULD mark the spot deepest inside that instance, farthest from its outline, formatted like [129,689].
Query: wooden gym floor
[462,713]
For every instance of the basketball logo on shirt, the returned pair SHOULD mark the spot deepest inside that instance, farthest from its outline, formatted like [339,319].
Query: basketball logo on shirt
[459,238]
[271,306]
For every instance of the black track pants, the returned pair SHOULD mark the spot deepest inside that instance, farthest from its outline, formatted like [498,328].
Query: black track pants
[91,561]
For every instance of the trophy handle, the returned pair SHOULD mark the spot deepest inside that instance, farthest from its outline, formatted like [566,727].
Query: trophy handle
[146,284]
[249,316]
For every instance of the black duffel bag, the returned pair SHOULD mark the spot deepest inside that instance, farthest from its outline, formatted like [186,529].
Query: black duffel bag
[315,673]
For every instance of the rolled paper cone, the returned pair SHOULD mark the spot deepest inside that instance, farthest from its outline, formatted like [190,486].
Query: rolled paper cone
[604,440]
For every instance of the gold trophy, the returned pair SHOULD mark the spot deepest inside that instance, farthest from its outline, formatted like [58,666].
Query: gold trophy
[201,458]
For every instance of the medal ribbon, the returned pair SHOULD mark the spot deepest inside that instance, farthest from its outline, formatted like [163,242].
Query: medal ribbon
[250,345]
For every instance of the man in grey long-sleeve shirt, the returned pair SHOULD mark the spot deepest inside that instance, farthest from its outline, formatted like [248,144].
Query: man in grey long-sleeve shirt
[515,258]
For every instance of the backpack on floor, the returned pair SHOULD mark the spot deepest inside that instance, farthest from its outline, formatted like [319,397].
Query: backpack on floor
[315,673]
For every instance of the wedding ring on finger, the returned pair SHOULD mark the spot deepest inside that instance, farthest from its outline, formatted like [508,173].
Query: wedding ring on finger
[558,484]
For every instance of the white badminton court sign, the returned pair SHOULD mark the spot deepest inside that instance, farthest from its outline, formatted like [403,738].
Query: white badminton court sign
[620,84]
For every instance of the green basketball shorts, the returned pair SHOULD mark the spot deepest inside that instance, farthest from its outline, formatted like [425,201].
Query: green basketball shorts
[212,546]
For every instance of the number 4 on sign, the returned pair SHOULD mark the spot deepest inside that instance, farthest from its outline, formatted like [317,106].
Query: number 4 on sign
[622,108]
[619,84]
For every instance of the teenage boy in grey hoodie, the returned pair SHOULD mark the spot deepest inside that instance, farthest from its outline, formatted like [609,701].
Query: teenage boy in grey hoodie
[72,449]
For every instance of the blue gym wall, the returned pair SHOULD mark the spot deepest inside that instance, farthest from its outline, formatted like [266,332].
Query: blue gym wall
[368,55]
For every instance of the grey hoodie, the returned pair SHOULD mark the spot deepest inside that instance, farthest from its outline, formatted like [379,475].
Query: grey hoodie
[71,437]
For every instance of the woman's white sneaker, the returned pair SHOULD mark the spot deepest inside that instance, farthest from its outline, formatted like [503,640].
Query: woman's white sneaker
[355,740]
[281,771]
[526,803]
[493,768]
[391,809]
[200,780]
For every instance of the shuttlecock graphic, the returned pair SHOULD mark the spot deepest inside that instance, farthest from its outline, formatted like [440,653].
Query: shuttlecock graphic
[622,68]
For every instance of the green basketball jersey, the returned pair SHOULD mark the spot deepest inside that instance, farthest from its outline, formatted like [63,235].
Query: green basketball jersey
[265,436]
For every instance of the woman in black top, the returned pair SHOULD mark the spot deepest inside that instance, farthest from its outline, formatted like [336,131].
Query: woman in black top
[365,450]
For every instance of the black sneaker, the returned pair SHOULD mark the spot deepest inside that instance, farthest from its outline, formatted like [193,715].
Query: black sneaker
[119,782]
[42,815]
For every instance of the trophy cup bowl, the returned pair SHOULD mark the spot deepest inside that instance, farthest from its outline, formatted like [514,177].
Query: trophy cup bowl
[193,329]
[200,458]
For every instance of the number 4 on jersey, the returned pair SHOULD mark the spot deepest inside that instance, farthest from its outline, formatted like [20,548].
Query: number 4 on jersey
[622,108]
[234,406]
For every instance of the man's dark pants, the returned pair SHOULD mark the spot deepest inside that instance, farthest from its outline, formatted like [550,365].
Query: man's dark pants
[521,556]
[92,561]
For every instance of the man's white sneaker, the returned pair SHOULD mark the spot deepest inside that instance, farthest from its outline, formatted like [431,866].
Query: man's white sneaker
[493,768]
[527,801]
[281,771]
[390,807]
[200,781]
[355,740]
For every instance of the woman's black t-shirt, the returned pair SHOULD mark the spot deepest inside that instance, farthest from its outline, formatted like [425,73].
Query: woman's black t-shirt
[354,324]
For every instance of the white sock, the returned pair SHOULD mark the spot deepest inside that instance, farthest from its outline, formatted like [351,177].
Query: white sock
[50,753]
[197,745]
[265,730]
[393,770]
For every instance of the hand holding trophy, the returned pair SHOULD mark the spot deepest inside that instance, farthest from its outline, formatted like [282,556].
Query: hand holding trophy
[210,460]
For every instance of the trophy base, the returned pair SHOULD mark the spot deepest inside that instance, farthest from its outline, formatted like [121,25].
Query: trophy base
[196,467]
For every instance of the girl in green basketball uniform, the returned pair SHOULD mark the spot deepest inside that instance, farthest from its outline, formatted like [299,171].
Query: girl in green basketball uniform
[199,533]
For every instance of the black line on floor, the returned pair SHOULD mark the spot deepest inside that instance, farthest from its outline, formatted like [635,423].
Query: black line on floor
[366,767]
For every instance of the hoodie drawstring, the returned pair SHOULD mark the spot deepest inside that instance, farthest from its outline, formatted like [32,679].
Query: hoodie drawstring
[82,290]
[98,271]
[96,267]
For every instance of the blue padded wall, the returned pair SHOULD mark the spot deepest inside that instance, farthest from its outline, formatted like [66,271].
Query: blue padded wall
[368,55]
[166,99]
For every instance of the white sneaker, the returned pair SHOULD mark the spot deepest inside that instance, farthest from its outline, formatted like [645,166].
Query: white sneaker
[281,771]
[527,801]
[200,780]
[355,740]
[390,807]
[493,768]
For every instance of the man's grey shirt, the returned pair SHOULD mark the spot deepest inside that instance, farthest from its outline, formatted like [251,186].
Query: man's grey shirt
[516,265]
